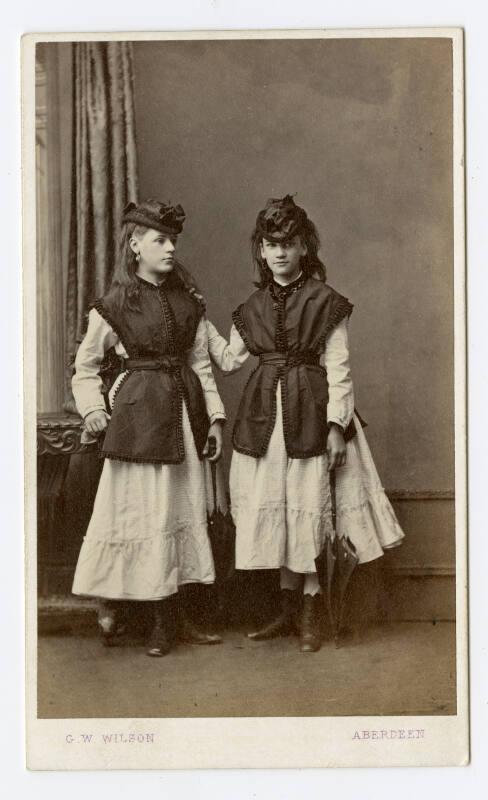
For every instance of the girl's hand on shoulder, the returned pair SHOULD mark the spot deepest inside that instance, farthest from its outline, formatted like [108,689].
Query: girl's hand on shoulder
[96,421]
[336,447]
[213,446]
[198,297]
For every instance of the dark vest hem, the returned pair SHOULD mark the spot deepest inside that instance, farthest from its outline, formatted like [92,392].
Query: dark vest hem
[349,434]
[245,451]
[137,460]
[272,420]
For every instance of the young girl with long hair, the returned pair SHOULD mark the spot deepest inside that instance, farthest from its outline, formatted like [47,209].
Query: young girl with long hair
[296,424]
[147,536]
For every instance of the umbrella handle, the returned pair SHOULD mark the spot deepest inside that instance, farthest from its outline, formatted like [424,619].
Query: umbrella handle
[212,446]
[333,505]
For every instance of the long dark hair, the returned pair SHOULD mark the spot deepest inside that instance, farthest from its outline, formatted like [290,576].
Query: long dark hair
[125,288]
[310,263]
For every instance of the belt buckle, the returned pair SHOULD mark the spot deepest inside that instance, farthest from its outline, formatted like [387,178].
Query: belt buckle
[168,364]
[160,363]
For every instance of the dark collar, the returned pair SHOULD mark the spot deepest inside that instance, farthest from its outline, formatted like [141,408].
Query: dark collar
[150,285]
[277,290]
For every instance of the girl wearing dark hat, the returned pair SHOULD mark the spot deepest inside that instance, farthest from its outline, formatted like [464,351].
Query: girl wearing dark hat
[147,536]
[296,425]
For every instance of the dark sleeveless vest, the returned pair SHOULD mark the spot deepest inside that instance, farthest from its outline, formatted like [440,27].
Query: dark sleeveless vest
[146,418]
[286,327]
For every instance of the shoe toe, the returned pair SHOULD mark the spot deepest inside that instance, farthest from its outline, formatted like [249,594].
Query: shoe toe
[158,652]
[204,638]
[309,647]
[214,638]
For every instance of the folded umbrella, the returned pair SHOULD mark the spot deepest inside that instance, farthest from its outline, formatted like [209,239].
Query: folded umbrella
[221,529]
[335,566]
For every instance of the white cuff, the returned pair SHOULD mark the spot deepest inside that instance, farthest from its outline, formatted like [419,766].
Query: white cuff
[216,416]
[97,407]
[338,422]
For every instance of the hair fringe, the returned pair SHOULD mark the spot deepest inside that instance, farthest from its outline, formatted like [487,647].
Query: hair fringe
[311,265]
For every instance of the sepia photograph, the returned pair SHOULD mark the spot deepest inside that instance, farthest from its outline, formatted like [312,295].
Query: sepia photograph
[244,295]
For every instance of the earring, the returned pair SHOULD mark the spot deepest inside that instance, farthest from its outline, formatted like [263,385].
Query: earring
[138,256]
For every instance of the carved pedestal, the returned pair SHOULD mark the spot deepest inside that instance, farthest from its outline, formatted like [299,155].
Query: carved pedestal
[58,439]
[59,434]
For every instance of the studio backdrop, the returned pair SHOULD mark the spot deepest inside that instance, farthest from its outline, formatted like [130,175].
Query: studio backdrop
[361,132]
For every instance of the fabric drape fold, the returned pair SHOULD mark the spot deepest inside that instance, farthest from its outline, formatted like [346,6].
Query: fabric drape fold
[104,178]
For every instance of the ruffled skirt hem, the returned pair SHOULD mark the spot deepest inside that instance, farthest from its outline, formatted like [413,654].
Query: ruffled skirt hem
[142,569]
[372,527]
[148,532]
[261,543]
[291,520]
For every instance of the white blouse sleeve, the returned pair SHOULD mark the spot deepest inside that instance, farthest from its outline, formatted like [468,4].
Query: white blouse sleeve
[228,356]
[86,382]
[335,359]
[199,361]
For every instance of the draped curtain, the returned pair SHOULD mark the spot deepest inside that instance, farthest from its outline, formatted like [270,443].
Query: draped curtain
[104,178]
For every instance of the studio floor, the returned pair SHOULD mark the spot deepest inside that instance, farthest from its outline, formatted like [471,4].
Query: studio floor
[405,668]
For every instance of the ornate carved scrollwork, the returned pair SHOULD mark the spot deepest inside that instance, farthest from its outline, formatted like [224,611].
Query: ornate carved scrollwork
[60,435]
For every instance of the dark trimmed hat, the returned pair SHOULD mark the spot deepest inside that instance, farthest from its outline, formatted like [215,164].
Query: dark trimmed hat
[165,217]
[281,219]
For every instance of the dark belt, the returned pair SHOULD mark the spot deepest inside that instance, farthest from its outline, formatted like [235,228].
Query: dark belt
[165,363]
[288,359]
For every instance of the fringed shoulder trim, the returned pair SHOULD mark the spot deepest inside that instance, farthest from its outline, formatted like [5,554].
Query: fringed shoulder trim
[200,305]
[343,309]
[99,305]
[239,323]
[200,308]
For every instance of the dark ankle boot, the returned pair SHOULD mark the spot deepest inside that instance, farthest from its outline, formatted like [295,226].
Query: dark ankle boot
[192,621]
[159,641]
[109,623]
[310,632]
[190,634]
[285,623]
